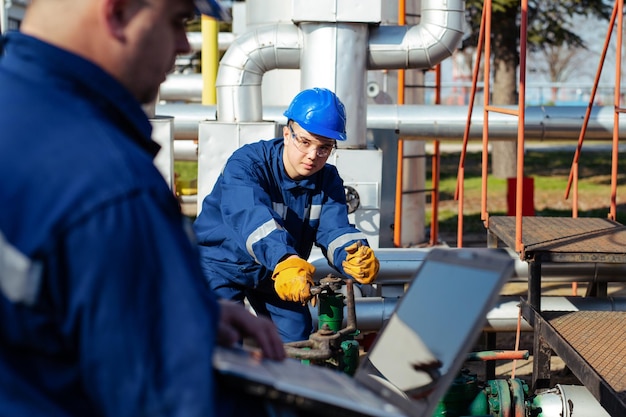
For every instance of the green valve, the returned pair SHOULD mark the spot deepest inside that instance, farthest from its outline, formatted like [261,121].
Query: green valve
[463,398]
[350,357]
[331,311]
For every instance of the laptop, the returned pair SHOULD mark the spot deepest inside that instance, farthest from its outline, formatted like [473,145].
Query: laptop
[415,357]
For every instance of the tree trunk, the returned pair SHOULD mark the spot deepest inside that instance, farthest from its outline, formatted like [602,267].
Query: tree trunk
[504,90]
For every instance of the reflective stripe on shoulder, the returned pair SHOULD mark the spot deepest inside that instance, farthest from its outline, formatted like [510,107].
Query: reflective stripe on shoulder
[261,232]
[340,241]
[280,209]
[20,277]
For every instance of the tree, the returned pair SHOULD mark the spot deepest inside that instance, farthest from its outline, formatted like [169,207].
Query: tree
[547,27]
[558,62]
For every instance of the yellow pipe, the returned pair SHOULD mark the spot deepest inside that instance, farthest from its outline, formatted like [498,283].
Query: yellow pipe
[397,225]
[210,59]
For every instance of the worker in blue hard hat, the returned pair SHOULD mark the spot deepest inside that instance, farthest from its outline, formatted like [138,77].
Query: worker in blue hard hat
[104,307]
[272,202]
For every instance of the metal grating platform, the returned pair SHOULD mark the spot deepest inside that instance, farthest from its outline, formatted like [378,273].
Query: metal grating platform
[600,339]
[564,239]
[593,345]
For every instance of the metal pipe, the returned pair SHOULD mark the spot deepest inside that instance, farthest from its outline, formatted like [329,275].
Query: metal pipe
[398,266]
[241,69]
[342,47]
[224,40]
[419,46]
[4,16]
[280,46]
[373,312]
[425,122]
[562,400]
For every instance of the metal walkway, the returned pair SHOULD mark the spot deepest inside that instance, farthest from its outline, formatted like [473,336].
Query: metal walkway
[591,343]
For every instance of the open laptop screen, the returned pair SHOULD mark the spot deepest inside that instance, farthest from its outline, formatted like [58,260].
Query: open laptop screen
[423,346]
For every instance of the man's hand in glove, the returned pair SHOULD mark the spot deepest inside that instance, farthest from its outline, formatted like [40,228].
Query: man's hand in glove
[293,279]
[361,263]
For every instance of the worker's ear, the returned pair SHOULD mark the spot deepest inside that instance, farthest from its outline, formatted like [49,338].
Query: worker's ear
[118,14]
[286,133]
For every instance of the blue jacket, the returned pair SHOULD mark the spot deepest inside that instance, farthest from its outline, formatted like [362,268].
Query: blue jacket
[256,214]
[103,305]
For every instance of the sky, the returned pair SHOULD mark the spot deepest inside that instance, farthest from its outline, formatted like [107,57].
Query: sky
[574,90]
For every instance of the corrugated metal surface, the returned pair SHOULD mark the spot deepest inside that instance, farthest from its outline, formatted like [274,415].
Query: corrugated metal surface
[599,337]
[565,239]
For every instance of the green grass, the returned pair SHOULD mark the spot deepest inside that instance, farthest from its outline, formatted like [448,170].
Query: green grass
[186,170]
[550,172]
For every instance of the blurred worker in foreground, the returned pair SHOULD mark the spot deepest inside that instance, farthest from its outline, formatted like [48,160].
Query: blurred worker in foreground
[272,202]
[103,304]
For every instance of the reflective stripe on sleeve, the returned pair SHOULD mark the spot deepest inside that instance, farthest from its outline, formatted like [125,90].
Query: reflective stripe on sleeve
[262,231]
[316,210]
[340,241]
[20,277]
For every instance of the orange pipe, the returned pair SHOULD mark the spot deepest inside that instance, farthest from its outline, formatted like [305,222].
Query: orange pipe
[434,196]
[459,227]
[486,77]
[436,159]
[438,84]
[498,355]
[401,73]
[617,103]
[460,178]
[503,110]
[592,98]
[397,222]
[517,339]
[520,128]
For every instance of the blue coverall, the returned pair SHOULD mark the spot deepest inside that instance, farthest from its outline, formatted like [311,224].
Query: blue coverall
[103,305]
[256,215]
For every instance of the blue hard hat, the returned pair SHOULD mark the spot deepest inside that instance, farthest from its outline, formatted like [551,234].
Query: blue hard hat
[320,112]
[212,8]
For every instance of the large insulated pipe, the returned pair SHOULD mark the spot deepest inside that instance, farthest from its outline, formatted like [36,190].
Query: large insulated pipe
[342,48]
[419,46]
[280,46]
[428,122]
[566,401]
[398,266]
[242,67]
[373,312]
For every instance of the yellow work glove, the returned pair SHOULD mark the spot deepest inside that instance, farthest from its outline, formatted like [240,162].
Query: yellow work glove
[293,278]
[360,263]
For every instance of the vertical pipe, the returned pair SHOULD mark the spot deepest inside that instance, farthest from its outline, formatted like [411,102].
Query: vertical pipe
[617,103]
[397,224]
[459,228]
[520,128]
[468,121]
[575,183]
[434,198]
[401,74]
[592,98]
[210,59]
[342,47]
[575,213]
[434,220]
[438,84]
[4,17]
[486,100]
[518,331]
[459,192]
